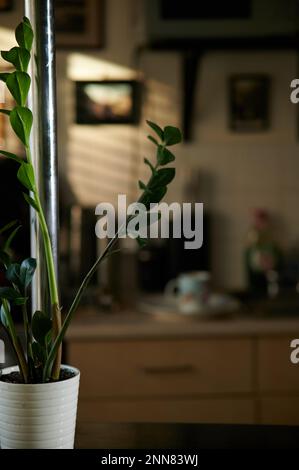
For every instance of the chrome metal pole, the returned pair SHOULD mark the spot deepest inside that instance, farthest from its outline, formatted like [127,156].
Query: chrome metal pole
[42,101]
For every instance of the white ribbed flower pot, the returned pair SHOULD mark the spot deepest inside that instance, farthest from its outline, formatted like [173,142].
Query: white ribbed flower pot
[38,416]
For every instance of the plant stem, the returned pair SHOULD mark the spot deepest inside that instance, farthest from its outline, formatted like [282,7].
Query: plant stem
[76,301]
[28,339]
[8,334]
[52,280]
[48,252]
[56,328]
[56,314]
[46,241]
[16,343]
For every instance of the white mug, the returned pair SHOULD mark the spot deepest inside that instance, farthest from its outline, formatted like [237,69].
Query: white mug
[191,290]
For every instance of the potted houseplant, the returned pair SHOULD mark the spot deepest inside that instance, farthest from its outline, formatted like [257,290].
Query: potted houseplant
[38,397]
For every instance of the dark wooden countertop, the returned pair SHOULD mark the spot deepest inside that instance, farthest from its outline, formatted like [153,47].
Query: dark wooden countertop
[184,436]
[89,325]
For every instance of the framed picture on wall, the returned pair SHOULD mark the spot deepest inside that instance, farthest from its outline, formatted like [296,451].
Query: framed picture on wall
[6,5]
[249,102]
[79,23]
[108,102]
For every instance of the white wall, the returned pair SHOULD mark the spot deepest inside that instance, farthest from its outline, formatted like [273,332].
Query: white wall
[114,161]
[243,171]
[237,172]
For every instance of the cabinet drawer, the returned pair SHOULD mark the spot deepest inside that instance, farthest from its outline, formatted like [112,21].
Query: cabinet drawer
[216,410]
[162,367]
[276,372]
[280,410]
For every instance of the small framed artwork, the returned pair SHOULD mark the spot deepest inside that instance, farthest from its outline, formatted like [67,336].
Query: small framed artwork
[6,5]
[79,24]
[108,102]
[249,102]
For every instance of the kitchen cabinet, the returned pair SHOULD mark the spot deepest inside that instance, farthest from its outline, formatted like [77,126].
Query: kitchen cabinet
[191,374]
[276,372]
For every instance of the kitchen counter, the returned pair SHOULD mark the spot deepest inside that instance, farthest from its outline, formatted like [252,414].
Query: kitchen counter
[185,436]
[88,324]
[149,368]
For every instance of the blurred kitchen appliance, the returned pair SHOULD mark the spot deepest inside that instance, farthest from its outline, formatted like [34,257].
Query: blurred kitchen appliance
[164,259]
[83,243]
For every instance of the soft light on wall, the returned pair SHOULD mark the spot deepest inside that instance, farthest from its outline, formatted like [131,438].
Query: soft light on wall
[106,160]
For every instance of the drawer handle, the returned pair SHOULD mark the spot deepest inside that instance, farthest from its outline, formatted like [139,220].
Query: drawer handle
[179,369]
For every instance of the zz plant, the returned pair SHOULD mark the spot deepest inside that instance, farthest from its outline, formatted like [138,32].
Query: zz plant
[40,359]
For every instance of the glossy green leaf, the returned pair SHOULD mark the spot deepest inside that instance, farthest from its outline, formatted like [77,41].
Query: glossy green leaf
[11,294]
[3,317]
[164,156]
[38,353]
[142,242]
[8,226]
[49,338]
[157,129]
[8,242]
[4,76]
[21,121]
[27,271]
[41,325]
[147,220]
[31,202]
[148,163]
[5,111]
[163,177]
[141,185]
[20,301]
[158,194]
[153,140]
[155,196]
[24,34]
[12,156]
[13,274]
[172,135]
[26,176]
[18,56]
[21,275]
[18,84]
